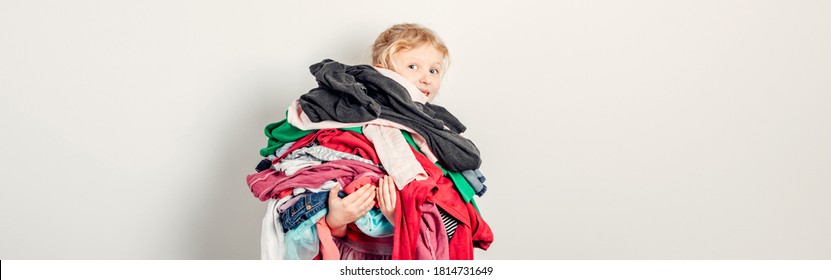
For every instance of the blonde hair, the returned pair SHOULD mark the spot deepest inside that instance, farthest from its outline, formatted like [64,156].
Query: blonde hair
[402,37]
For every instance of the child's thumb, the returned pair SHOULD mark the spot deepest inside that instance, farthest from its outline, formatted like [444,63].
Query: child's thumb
[333,193]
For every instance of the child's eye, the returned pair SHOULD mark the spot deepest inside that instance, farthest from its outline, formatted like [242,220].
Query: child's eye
[434,71]
[413,66]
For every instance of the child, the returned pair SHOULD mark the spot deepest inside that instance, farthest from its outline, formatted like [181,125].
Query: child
[414,52]
[418,55]
[389,182]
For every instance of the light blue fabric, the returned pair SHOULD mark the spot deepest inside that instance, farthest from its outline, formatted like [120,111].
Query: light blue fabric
[282,150]
[374,224]
[302,243]
[476,180]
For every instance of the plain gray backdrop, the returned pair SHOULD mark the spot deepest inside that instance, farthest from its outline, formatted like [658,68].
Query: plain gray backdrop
[608,129]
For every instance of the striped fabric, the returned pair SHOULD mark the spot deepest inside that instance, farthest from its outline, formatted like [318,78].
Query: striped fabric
[450,223]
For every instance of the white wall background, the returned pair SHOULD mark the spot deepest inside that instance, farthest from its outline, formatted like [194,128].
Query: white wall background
[608,129]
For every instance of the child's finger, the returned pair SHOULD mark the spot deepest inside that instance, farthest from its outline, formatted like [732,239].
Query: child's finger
[383,190]
[379,196]
[369,192]
[333,194]
[354,196]
[391,194]
[366,205]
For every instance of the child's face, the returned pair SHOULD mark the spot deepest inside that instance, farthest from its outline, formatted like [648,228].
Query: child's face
[422,66]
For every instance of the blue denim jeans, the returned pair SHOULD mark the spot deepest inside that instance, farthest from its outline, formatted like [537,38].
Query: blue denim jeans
[476,180]
[304,208]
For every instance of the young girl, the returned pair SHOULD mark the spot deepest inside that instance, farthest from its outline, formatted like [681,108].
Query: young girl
[364,167]
[419,56]
[414,52]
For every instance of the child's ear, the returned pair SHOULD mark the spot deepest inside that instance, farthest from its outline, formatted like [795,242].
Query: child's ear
[379,65]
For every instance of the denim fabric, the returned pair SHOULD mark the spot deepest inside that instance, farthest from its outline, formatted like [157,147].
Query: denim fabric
[304,208]
[307,206]
[476,180]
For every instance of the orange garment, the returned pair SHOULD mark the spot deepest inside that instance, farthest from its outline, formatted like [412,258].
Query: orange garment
[328,248]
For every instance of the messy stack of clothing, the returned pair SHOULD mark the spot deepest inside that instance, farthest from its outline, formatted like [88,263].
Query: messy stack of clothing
[360,124]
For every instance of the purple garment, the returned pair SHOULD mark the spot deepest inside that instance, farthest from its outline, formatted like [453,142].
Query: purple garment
[432,237]
[356,250]
[282,208]
[269,183]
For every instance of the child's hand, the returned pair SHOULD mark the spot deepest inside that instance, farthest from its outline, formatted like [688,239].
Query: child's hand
[386,198]
[343,211]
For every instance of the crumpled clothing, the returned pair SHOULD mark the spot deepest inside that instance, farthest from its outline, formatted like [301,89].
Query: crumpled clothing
[304,208]
[395,154]
[312,155]
[322,153]
[269,183]
[471,231]
[360,93]
[476,180]
[303,242]
[433,238]
[279,134]
[374,224]
[272,236]
[297,118]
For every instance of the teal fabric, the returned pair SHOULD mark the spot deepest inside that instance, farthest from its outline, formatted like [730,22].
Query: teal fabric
[302,243]
[374,224]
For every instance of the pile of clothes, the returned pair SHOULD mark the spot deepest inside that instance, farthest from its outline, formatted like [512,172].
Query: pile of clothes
[360,124]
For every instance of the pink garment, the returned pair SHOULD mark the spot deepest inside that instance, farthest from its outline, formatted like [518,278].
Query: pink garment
[381,133]
[288,203]
[267,184]
[360,181]
[351,250]
[359,246]
[349,142]
[415,93]
[296,117]
[335,139]
[328,248]
[432,243]
[265,177]
[395,154]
